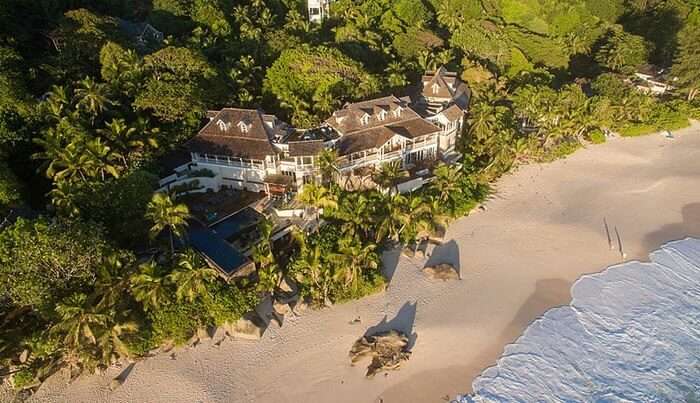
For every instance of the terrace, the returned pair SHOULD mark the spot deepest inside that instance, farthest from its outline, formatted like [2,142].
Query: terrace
[211,207]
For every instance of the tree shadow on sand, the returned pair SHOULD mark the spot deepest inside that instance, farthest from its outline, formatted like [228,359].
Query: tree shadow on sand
[446,253]
[403,322]
[390,261]
[690,226]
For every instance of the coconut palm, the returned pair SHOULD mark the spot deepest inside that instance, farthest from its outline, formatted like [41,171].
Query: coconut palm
[70,163]
[91,97]
[325,102]
[57,102]
[111,281]
[269,275]
[393,218]
[148,286]
[389,174]
[79,321]
[102,159]
[317,197]
[110,343]
[327,164]
[353,258]
[312,273]
[355,211]
[395,75]
[128,141]
[164,213]
[63,199]
[191,277]
[447,181]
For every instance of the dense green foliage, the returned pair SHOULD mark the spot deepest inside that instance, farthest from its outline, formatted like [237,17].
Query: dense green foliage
[87,107]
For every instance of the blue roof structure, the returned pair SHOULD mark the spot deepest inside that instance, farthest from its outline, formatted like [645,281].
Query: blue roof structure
[215,249]
[234,225]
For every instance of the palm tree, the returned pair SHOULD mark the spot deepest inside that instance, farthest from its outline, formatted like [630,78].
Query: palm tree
[395,75]
[92,97]
[110,341]
[128,141]
[324,102]
[311,272]
[317,197]
[393,218]
[353,258]
[191,277]
[327,164]
[62,198]
[69,163]
[111,282]
[447,181]
[269,275]
[102,158]
[356,212]
[389,174]
[79,321]
[164,213]
[148,286]
[57,102]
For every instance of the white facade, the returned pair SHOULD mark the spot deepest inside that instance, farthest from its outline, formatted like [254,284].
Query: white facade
[318,10]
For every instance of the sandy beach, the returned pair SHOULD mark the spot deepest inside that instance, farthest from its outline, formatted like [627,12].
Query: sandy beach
[542,229]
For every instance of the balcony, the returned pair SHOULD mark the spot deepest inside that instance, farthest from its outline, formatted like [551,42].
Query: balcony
[231,162]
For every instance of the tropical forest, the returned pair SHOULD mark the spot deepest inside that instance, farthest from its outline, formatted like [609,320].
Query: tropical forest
[93,269]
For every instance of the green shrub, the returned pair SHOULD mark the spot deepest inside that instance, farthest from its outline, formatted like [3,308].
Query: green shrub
[560,151]
[639,129]
[23,379]
[372,282]
[596,137]
[177,321]
[228,303]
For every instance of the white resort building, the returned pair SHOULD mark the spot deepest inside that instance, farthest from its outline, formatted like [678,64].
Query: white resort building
[318,10]
[248,149]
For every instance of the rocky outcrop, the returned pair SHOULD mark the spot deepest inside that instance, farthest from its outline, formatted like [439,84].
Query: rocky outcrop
[249,327]
[442,271]
[387,350]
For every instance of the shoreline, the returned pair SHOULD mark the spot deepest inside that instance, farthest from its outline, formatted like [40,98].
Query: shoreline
[543,229]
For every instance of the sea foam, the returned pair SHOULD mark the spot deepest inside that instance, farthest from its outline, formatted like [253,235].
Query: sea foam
[630,334]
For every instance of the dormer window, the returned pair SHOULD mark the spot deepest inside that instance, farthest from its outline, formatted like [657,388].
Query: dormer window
[397,111]
[243,126]
[436,88]
[382,115]
[223,126]
[364,119]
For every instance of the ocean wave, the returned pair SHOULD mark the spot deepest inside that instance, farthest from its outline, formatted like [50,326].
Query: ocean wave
[630,334]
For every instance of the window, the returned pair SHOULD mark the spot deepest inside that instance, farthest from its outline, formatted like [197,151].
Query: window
[397,111]
[314,11]
[382,115]
[307,161]
[223,126]
[243,126]
[364,119]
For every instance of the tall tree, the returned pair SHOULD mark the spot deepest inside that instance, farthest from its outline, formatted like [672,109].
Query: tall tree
[685,66]
[317,197]
[191,277]
[164,213]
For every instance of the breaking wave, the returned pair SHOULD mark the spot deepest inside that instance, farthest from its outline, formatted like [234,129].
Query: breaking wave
[631,334]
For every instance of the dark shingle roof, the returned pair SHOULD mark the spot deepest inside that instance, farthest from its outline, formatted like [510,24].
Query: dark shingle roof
[236,133]
[453,113]
[305,148]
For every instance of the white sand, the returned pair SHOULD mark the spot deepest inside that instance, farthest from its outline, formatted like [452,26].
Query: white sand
[543,229]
